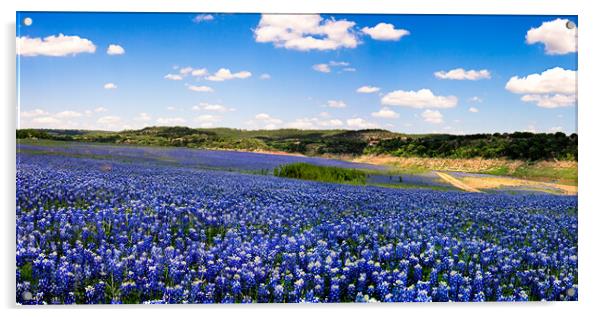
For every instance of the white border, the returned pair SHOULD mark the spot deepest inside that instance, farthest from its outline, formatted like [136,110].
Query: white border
[590,260]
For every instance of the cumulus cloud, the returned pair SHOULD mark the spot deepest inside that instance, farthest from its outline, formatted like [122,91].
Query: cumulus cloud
[385,32]
[551,101]
[305,32]
[322,68]
[360,123]
[553,88]
[67,114]
[557,129]
[202,18]
[475,99]
[327,67]
[200,88]
[110,86]
[554,80]
[212,107]
[432,116]
[461,74]
[556,36]
[207,120]
[267,118]
[336,104]
[314,123]
[143,117]
[100,109]
[170,121]
[199,72]
[264,121]
[115,49]
[54,45]
[265,76]
[423,98]
[173,77]
[368,89]
[46,120]
[225,74]
[33,113]
[109,120]
[186,70]
[473,109]
[385,113]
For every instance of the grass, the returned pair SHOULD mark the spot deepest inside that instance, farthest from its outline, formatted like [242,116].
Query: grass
[329,174]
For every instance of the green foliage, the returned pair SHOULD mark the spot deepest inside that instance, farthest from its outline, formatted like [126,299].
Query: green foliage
[321,173]
[516,146]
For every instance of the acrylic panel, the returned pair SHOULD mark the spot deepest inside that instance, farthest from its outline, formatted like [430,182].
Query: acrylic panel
[275,158]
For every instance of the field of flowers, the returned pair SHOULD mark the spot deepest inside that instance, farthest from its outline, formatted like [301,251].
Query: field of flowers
[93,230]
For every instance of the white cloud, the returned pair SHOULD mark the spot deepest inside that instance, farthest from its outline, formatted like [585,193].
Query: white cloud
[473,109]
[338,64]
[349,69]
[423,98]
[431,116]
[324,114]
[100,109]
[200,88]
[212,107]
[475,99]
[109,120]
[171,108]
[368,89]
[186,70]
[173,77]
[360,123]
[556,37]
[385,32]
[385,113]
[207,120]
[265,76]
[46,120]
[33,113]
[461,74]
[336,104]
[225,74]
[314,123]
[557,129]
[170,121]
[305,32]
[323,68]
[266,117]
[67,114]
[199,72]
[54,45]
[110,86]
[555,87]
[202,18]
[266,121]
[143,117]
[332,123]
[551,101]
[554,80]
[115,49]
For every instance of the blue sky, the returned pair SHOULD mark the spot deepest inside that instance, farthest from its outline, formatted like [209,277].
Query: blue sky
[420,73]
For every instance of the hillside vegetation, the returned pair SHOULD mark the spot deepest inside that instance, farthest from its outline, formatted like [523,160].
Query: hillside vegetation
[523,146]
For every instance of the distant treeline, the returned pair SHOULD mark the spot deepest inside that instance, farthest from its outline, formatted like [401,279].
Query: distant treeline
[516,146]
[519,145]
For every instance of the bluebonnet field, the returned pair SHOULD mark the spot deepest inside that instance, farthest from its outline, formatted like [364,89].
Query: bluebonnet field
[99,230]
